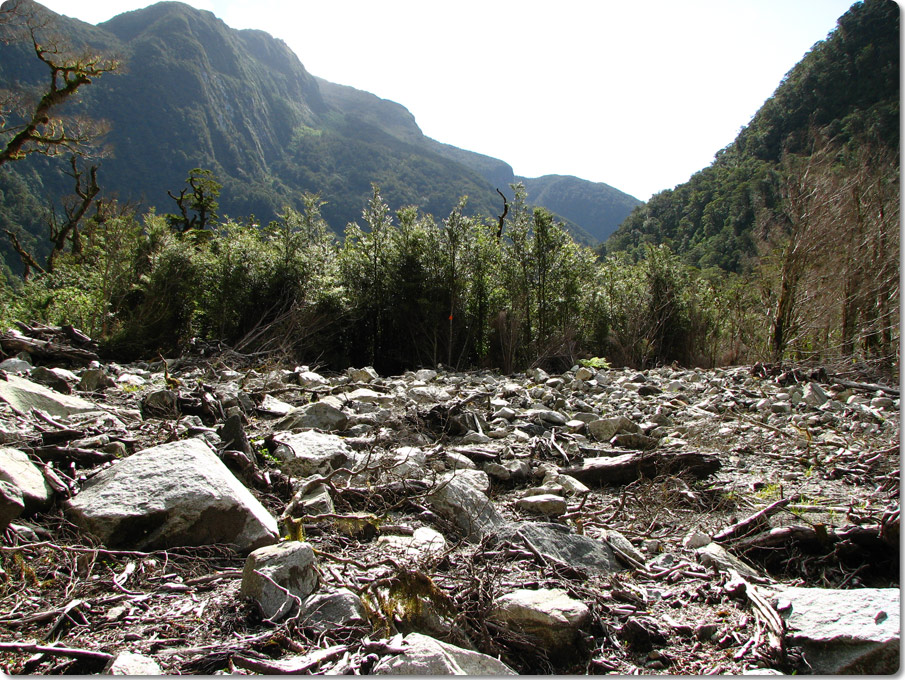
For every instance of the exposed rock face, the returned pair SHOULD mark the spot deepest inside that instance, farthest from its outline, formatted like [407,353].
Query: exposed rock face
[424,655]
[170,495]
[844,632]
[279,577]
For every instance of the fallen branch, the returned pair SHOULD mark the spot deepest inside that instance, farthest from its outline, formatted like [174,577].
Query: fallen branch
[32,648]
[630,466]
[752,522]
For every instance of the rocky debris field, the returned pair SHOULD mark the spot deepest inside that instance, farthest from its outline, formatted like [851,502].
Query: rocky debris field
[220,515]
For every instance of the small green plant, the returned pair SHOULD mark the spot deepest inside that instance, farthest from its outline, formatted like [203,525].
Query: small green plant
[597,363]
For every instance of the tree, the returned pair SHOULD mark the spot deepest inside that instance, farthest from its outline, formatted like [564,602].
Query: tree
[197,202]
[29,120]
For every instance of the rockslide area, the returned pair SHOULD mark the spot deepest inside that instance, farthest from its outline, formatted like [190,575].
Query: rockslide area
[214,516]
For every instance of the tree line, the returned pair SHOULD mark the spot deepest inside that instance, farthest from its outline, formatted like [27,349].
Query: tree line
[402,289]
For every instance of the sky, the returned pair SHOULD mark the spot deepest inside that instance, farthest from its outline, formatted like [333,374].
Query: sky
[638,95]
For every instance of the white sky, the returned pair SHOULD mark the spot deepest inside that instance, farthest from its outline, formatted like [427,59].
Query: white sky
[639,95]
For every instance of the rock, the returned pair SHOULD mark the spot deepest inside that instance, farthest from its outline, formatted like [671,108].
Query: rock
[546,416]
[558,542]
[425,374]
[274,407]
[695,539]
[426,656]
[171,495]
[844,632]
[570,485]
[160,404]
[24,395]
[471,510]
[54,378]
[275,573]
[363,375]
[318,415]
[422,543]
[547,504]
[130,663]
[605,428]
[504,471]
[814,395]
[11,503]
[17,469]
[309,452]
[584,373]
[715,555]
[549,616]
[307,378]
[15,366]
[643,633]
[94,380]
[339,608]
[622,544]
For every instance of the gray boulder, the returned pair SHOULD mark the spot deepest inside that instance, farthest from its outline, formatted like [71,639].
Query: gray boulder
[318,415]
[472,511]
[844,632]
[279,577]
[309,452]
[170,495]
[130,663]
[424,655]
[558,542]
[11,503]
[17,469]
[336,609]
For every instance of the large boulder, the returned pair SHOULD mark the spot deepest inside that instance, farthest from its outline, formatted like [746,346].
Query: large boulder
[844,632]
[17,469]
[548,616]
[424,655]
[175,494]
[279,577]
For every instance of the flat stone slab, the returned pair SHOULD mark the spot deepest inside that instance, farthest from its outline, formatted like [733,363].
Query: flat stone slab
[24,395]
[844,632]
[557,541]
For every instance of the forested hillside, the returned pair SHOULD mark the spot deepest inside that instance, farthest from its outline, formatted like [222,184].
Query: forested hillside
[842,98]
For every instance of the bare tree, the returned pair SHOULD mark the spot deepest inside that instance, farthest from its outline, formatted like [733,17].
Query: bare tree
[30,120]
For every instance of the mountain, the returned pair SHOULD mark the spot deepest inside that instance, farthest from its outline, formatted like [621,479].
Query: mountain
[845,92]
[193,92]
[598,207]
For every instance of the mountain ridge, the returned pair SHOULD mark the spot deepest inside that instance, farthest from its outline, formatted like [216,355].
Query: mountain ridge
[195,92]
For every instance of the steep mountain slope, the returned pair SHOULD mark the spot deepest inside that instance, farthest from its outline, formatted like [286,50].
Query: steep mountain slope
[845,91]
[193,92]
